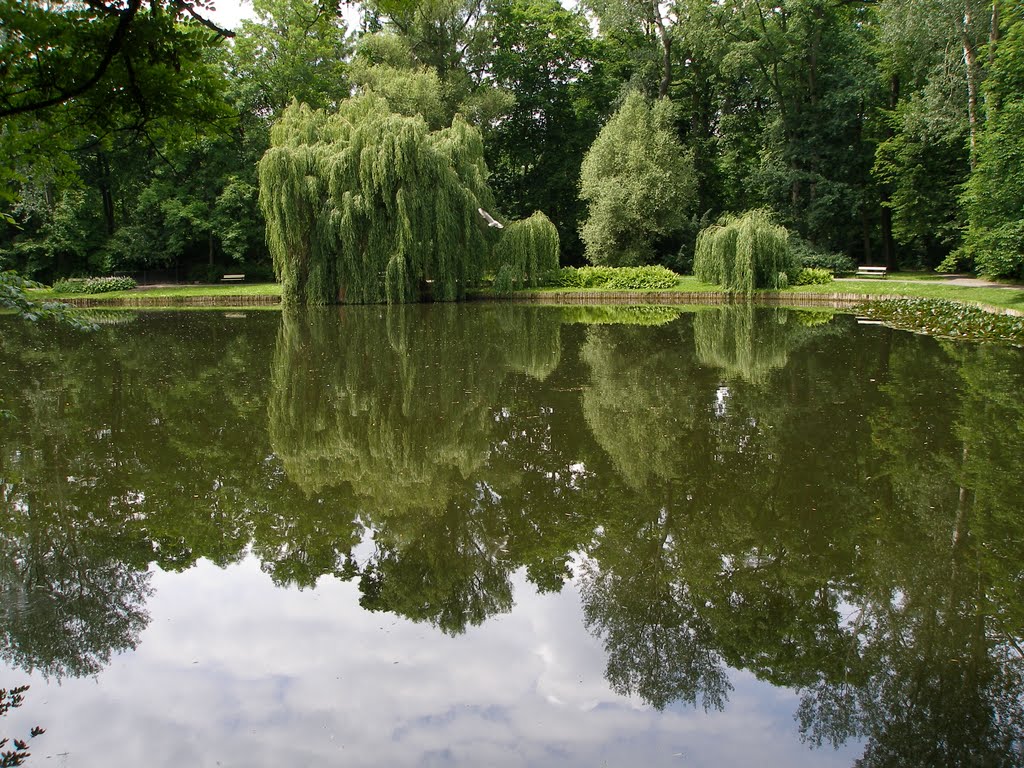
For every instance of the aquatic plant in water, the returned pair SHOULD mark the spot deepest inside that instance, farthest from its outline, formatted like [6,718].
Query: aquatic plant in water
[951,319]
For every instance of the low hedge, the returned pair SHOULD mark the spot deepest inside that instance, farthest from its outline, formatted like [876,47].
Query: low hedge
[812,276]
[651,278]
[90,285]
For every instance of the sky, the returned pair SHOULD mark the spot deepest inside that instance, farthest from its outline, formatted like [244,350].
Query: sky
[229,13]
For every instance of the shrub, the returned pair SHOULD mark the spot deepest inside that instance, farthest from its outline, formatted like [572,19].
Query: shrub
[652,278]
[743,253]
[89,285]
[813,277]
[806,255]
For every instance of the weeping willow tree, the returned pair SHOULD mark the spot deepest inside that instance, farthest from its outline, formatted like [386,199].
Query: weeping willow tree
[365,205]
[527,249]
[369,204]
[403,417]
[744,252]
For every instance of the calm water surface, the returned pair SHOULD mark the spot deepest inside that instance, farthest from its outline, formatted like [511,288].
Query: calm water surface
[506,535]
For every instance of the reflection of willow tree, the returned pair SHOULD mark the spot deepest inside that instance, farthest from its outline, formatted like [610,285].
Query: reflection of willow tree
[402,413]
[446,567]
[132,449]
[748,341]
[402,416]
[937,645]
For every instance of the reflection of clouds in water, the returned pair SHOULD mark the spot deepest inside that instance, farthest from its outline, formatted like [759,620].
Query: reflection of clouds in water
[234,672]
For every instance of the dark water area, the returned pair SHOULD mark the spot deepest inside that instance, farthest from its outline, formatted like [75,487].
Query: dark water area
[490,535]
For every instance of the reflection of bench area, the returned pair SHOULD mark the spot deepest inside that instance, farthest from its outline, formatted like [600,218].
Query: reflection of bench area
[232,278]
[871,271]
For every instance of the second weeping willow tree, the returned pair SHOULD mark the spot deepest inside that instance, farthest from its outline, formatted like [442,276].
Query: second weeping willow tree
[368,205]
[744,252]
[527,249]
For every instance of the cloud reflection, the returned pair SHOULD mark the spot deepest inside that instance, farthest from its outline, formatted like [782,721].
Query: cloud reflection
[233,671]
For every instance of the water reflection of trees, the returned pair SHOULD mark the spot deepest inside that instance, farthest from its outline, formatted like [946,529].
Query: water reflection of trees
[939,667]
[843,519]
[395,401]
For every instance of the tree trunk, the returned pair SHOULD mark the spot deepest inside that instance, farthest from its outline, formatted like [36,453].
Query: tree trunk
[865,227]
[106,193]
[993,35]
[973,82]
[666,51]
[888,241]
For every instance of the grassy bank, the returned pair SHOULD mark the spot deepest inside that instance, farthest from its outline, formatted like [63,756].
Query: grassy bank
[268,293]
[167,292]
[919,287]
[1004,298]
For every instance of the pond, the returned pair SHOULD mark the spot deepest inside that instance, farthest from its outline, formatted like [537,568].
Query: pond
[496,534]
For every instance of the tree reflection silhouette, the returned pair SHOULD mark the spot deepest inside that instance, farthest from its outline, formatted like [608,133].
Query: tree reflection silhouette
[837,513]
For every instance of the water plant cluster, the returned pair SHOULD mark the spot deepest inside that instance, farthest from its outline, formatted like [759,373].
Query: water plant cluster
[89,285]
[949,319]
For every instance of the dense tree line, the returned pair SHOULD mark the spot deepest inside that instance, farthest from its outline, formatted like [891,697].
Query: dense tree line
[887,131]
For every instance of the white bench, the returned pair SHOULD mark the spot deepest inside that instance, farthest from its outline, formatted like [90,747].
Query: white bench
[872,271]
[232,278]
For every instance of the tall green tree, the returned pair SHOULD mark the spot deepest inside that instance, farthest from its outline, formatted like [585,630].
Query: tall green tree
[73,71]
[639,186]
[799,77]
[543,55]
[995,193]
[292,49]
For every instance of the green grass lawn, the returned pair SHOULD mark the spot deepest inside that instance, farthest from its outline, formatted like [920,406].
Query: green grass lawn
[907,284]
[1007,298]
[227,289]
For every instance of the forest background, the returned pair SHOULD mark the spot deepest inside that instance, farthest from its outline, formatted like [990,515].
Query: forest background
[887,132]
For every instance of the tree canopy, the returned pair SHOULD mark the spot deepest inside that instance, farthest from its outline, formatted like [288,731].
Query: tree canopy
[364,205]
[885,131]
[639,185]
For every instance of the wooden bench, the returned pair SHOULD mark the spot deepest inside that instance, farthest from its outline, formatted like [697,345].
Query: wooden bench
[872,271]
[232,278]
